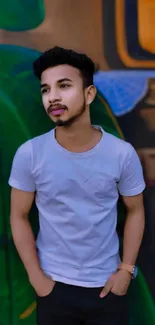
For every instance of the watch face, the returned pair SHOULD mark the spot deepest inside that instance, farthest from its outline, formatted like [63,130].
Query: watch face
[135,272]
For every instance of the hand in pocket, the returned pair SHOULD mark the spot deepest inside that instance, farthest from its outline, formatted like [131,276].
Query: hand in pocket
[43,285]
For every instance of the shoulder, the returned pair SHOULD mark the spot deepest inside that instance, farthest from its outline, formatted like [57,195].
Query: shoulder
[119,147]
[35,143]
[32,148]
[41,139]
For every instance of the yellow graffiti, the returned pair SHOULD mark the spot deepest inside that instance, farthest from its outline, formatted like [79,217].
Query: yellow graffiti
[146,24]
[121,40]
[28,311]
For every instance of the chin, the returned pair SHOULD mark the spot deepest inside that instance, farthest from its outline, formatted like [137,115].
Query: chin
[57,122]
[63,123]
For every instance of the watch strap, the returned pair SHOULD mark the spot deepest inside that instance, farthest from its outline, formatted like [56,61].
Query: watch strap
[126,267]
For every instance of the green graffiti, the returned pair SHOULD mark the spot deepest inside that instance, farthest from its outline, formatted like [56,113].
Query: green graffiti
[21,15]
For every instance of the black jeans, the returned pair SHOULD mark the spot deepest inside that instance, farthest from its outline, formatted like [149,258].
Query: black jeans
[72,305]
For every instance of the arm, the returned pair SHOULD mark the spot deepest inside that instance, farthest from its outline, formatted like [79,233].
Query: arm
[23,186]
[23,237]
[131,185]
[133,233]
[21,203]
[134,228]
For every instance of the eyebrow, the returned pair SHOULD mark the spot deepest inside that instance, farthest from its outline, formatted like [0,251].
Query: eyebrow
[64,79]
[59,81]
[43,85]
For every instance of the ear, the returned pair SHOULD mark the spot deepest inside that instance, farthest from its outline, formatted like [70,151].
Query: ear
[90,94]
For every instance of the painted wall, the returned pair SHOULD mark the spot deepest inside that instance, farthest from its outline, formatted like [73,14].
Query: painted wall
[111,33]
[76,24]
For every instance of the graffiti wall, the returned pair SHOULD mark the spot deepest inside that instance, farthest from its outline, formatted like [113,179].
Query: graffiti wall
[113,34]
[129,48]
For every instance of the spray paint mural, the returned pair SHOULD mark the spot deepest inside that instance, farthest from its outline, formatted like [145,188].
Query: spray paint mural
[19,101]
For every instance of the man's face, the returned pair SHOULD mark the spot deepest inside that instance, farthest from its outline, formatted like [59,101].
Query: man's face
[63,94]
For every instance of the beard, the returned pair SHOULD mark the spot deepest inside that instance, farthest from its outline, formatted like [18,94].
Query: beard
[72,119]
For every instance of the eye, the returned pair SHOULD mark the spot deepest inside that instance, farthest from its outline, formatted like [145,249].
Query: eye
[64,86]
[45,90]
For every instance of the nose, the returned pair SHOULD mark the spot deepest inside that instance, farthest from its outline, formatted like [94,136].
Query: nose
[54,96]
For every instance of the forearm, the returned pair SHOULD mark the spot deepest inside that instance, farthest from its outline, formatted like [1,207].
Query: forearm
[25,243]
[133,234]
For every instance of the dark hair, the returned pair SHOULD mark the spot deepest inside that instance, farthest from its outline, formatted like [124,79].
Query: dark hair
[58,55]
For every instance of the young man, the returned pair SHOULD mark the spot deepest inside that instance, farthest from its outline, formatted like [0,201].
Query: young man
[76,173]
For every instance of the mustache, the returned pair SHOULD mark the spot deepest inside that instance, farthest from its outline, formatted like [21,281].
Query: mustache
[52,107]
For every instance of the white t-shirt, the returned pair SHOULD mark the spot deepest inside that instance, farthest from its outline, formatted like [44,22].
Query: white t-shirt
[76,196]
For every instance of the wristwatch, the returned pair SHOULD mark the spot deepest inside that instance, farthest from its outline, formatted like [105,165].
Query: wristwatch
[132,269]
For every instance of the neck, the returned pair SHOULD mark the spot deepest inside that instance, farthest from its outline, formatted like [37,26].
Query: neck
[79,137]
[76,134]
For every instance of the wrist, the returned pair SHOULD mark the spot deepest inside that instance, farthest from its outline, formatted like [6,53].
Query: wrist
[124,272]
[35,275]
[131,269]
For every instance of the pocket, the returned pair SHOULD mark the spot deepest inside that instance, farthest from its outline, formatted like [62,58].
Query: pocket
[49,294]
[115,295]
[115,303]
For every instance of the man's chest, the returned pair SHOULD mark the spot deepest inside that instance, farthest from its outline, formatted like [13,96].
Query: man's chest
[92,179]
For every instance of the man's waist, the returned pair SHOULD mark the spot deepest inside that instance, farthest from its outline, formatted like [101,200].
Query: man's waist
[80,271]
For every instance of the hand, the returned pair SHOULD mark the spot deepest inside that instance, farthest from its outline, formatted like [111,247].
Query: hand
[42,284]
[118,284]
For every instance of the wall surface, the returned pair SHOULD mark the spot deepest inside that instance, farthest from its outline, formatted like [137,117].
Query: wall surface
[108,31]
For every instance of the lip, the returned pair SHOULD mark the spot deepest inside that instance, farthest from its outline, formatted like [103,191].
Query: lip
[57,111]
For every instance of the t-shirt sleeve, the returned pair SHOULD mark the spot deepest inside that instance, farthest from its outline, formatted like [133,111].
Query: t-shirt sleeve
[131,179]
[21,172]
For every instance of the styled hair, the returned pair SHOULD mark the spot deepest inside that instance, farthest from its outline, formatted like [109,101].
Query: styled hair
[58,56]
